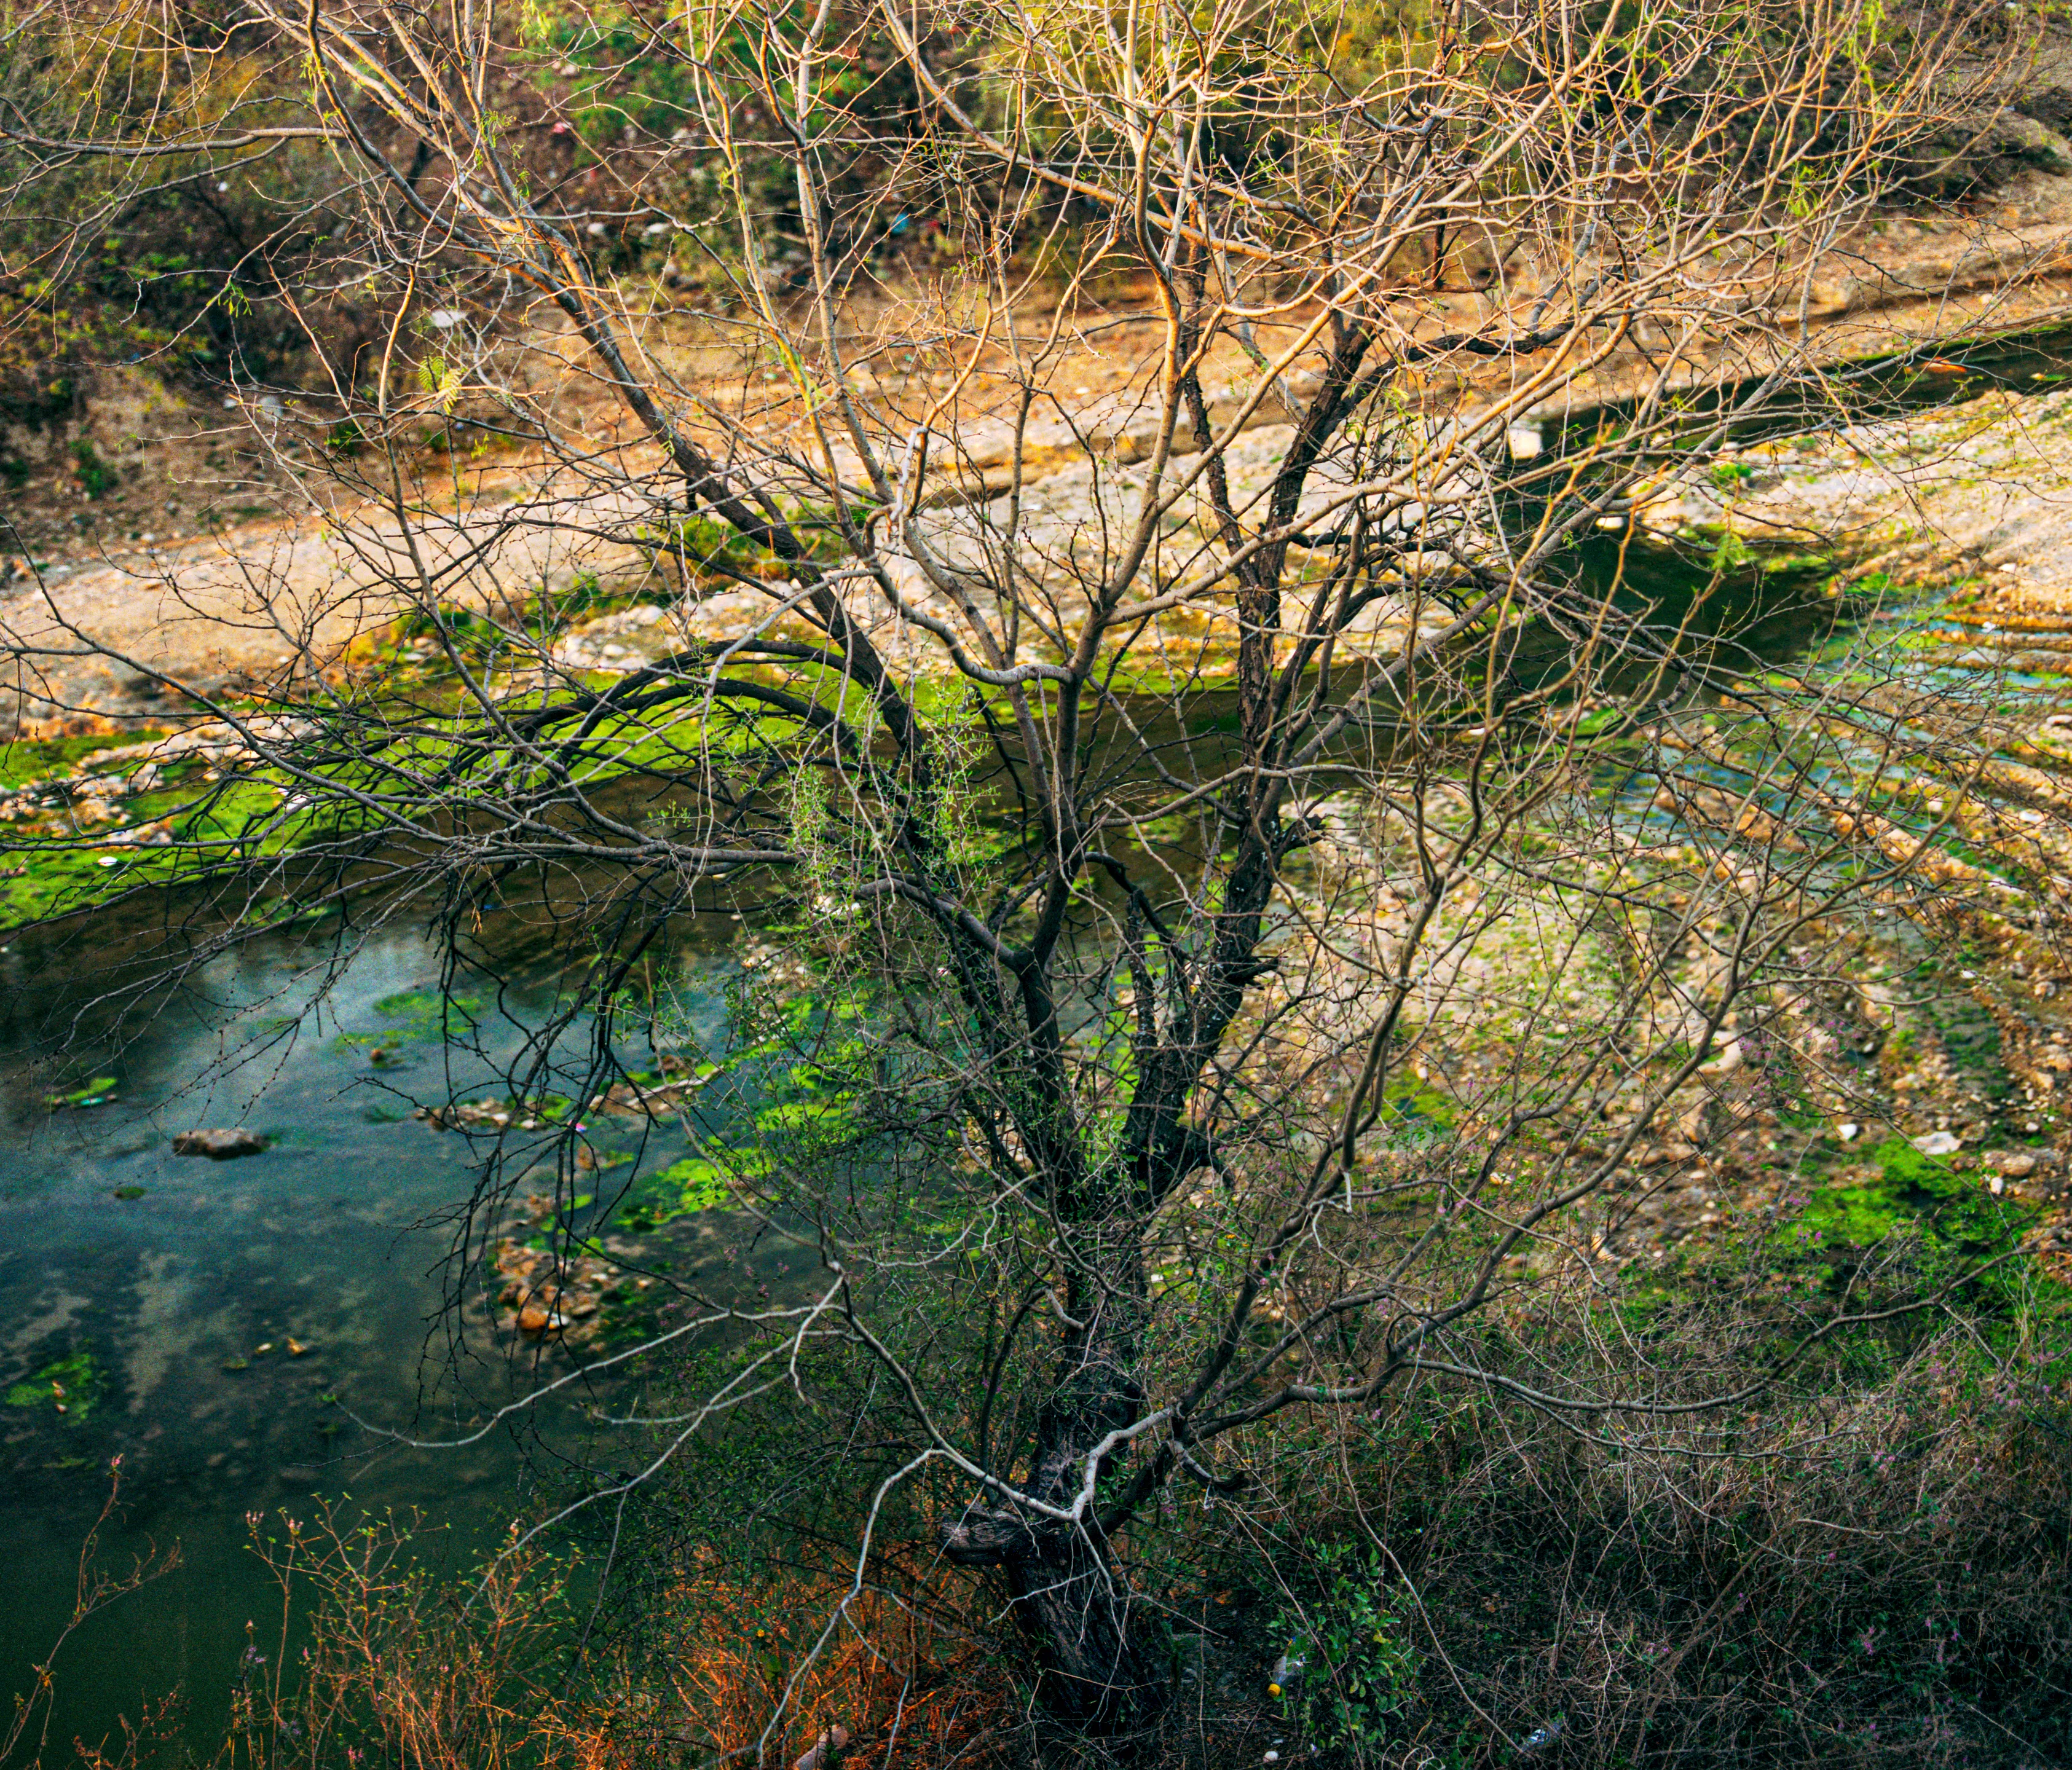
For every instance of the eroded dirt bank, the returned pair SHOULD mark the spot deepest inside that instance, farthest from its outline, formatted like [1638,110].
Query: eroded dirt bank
[215,541]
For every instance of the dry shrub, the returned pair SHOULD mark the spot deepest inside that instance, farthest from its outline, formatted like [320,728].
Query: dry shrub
[407,1668]
[1874,1567]
[26,1737]
[736,1673]
[400,1667]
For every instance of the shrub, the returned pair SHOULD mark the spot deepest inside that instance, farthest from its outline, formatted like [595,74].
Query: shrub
[1873,1567]
[96,477]
[1349,1665]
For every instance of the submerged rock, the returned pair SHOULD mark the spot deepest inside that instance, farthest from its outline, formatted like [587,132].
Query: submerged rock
[220,1145]
[553,1296]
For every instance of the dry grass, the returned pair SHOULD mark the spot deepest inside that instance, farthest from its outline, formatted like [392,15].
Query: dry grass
[403,1669]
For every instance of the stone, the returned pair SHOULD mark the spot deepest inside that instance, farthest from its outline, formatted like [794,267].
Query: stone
[1937,1142]
[823,1749]
[220,1145]
[2011,1163]
[1729,1060]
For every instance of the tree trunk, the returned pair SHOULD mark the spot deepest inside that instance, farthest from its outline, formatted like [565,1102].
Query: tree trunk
[1072,1601]
[1075,1609]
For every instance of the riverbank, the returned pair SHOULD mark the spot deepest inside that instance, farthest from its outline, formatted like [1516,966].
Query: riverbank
[232,546]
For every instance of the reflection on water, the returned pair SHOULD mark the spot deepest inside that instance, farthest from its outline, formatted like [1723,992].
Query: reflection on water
[143,1284]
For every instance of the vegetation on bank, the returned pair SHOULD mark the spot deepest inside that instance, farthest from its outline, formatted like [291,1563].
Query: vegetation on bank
[1853,1570]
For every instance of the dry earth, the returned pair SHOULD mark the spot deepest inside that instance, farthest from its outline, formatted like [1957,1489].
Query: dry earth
[227,544]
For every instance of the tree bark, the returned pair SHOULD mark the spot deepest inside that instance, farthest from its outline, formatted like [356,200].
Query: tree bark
[1072,1601]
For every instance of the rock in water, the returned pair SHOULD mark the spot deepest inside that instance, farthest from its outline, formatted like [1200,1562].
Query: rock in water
[220,1145]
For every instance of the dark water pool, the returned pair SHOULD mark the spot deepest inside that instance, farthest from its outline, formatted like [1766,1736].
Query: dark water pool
[142,1284]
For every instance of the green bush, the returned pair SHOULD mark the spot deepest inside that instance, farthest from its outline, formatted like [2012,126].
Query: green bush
[1349,1664]
[94,475]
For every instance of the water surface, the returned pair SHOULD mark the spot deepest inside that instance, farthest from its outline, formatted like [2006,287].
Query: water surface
[143,1285]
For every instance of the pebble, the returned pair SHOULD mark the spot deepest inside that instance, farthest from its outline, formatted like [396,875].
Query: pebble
[551,1296]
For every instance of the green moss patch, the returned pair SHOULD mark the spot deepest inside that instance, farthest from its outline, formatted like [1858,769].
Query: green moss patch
[35,759]
[70,1388]
[1911,1191]
[682,1189]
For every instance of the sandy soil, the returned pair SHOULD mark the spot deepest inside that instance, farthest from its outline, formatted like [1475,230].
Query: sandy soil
[222,551]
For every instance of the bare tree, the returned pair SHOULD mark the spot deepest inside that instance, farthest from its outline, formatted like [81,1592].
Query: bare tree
[1127,580]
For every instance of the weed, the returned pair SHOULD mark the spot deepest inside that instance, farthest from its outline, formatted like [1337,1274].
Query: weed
[1349,1665]
[70,1387]
[95,476]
